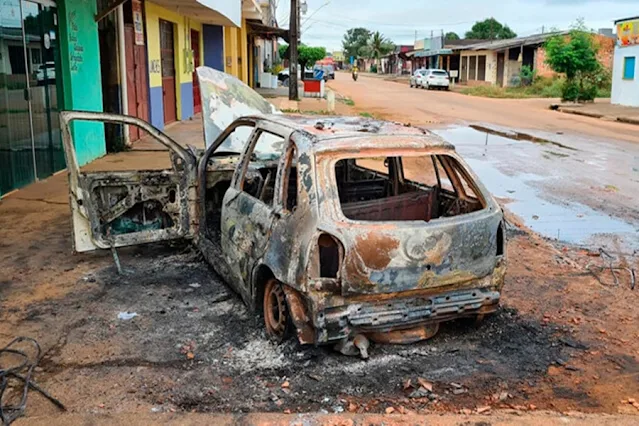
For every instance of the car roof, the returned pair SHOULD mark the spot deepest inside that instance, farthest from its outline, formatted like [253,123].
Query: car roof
[437,69]
[329,133]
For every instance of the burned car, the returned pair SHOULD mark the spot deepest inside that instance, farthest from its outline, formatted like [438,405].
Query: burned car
[340,230]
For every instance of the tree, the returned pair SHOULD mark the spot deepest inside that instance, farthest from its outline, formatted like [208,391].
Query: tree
[355,42]
[310,55]
[282,49]
[576,56]
[490,29]
[451,36]
[379,46]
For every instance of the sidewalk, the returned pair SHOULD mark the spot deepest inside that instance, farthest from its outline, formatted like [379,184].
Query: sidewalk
[603,109]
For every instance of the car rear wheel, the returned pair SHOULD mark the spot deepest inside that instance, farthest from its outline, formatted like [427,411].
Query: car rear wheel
[276,314]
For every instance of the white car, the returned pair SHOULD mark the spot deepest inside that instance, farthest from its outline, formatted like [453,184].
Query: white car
[417,77]
[437,79]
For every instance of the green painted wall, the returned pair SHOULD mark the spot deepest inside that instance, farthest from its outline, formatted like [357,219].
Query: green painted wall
[80,62]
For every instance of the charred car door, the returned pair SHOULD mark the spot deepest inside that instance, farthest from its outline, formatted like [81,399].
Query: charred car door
[122,208]
[248,211]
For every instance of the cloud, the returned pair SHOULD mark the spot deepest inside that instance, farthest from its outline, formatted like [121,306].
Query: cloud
[401,20]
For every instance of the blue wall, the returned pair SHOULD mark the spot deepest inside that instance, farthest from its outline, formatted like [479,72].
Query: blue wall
[186,95]
[157,107]
[213,37]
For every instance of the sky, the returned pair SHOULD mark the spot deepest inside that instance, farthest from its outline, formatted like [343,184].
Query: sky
[399,20]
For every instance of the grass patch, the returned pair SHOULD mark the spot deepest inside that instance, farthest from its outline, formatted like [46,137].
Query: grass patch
[542,87]
[366,114]
[347,101]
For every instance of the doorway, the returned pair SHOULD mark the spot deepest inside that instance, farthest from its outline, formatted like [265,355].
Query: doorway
[30,142]
[195,47]
[501,58]
[464,69]
[167,59]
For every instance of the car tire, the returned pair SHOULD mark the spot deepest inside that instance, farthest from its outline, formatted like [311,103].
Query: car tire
[277,318]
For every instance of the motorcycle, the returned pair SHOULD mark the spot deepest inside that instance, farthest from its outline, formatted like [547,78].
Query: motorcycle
[354,75]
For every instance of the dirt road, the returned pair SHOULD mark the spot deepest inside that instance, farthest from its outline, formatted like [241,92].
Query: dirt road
[399,102]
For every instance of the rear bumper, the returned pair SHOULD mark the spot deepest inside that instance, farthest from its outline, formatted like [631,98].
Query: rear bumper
[337,323]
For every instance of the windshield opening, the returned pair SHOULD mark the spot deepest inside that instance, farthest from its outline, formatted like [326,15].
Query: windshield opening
[405,188]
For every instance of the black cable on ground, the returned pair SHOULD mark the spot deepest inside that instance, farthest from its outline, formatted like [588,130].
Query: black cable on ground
[21,371]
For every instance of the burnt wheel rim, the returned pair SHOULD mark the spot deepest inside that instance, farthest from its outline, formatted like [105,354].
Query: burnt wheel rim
[275,310]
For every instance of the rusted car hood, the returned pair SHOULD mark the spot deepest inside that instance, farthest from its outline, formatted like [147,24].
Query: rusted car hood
[224,99]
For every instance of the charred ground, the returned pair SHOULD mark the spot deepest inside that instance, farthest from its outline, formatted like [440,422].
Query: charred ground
[194,346]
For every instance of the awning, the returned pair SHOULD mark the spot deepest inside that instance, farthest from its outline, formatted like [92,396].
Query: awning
[266,31]
[428,53]
[227,13]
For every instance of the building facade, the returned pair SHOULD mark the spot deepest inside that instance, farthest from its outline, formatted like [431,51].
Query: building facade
[49,61]
[88,55]
[625,69]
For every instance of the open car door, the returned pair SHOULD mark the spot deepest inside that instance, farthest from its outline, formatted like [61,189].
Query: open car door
[122,208]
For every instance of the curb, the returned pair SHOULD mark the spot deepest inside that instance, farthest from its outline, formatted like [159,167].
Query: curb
[628,120]
[619,119]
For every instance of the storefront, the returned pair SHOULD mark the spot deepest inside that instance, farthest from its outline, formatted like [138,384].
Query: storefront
[48,55]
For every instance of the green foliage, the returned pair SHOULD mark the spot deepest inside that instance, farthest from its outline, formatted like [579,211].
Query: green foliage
[575,56]
[490,29]
[451,36]
[308,55]
[541,87]
[374,68]
[283,51]
[379,46]
[355,42]
[527,75]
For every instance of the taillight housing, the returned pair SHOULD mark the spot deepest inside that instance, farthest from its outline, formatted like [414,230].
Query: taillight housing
[326,262]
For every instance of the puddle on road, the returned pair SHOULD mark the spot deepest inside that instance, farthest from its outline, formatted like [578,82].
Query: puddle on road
[521,172]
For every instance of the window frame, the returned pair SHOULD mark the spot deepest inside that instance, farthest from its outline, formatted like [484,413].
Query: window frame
[282,181]
[626,68]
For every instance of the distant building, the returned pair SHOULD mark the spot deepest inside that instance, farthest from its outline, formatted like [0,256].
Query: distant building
[499,62]
[625,68]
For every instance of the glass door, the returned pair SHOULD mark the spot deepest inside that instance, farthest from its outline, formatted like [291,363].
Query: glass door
[30,143]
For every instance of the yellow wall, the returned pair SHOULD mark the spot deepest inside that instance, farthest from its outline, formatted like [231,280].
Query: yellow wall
[182,34]
[236,48]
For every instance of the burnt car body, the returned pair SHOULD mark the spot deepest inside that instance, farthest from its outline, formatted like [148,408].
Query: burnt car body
[340,227]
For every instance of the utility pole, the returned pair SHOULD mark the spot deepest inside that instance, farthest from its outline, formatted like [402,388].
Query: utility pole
[293,94]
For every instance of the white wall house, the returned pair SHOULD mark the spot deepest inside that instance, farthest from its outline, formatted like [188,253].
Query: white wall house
[625,66]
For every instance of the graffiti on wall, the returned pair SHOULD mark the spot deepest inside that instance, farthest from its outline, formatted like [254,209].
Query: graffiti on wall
[76,48]
[628,33]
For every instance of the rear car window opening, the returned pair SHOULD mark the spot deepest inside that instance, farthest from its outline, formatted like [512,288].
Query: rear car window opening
[405,188]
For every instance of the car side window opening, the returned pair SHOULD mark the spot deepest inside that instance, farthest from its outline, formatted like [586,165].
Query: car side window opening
[290,180]
[259,173]
[218,182]
[405,188]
